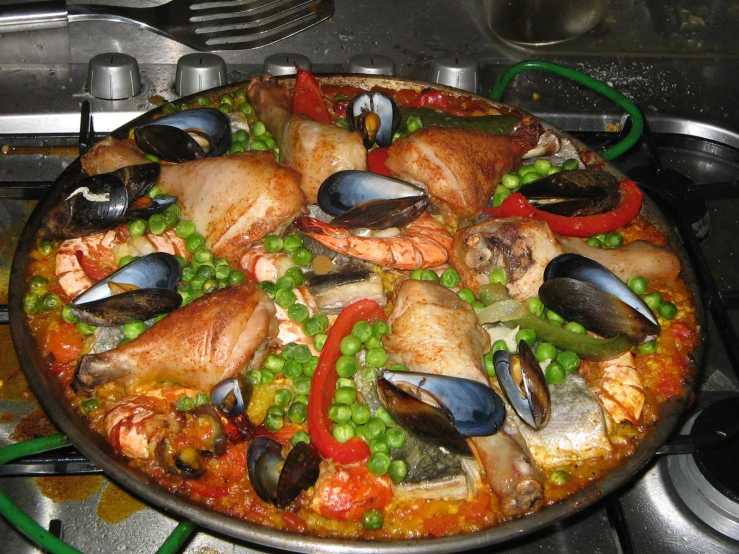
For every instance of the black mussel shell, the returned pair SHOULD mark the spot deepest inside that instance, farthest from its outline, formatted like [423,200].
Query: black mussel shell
[382,214]
[264,462]
[139,304]
[434,424]
[579,267]
[300,472]
[376,115]
[217,440]
[186,462]
[138,179]
[574,193]
[231,396]
[475,408]
[144,208]
[156,270]
[596,310]
[91,205]
[524,385]
[180,137]
[344,190]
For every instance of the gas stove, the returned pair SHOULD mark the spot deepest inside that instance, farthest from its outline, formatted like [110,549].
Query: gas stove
[45,76]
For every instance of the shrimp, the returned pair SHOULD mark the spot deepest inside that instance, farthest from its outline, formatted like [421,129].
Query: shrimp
[261,265]
[424,243]
[99,252]
[620,390]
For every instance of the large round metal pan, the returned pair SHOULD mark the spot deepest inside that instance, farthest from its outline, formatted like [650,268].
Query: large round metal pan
[49,392]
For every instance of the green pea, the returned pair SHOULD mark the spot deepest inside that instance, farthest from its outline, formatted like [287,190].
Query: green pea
[542,167]
[559,477]
[319,340]
[489,365]
[202,255]
[555,374]
[292,369]
[258,129]
[350,345]
[275,410]
[284,298]
[648,347]
[85,328]
[374,427]
[362,330]
[395,437]
[653,300]
[138,227]
[168,108]
[154,192]
[637,284]
[171,217]
[201,399]
[373,519]
[413,123]
[291,243]
[360,413]
[594,242]
[297,412]
[416,274]
[273,422]
[535,306]
[345,395]
[125,260]
[274,363]
[301,256]
[184,229]
[369,373]
[227,109]
[300,436]
[379,445]
[526,335]
[380,329]
[133,329]
[376,357]
[378,463]
[346,366]
[568,360]
[575,327]
[467,295]
[450,278]
[499,276]
[222,272]
[185,404]
[269,288]
[545,351]
[429,275]
[301,385]
[50,302]
[67,314]
[31,304]
[273,243]
[499,198]
[193,242]
[226,99]
[205,272]
[667,310]
[302,353]
[526,169]
[554,169]
[398,471]
[309,367]
[477,305]
[315,325]
[237,147]
[46,247]
[373,343]
[554,318]
[398,367]
[235,277]
[88,405]
[499,344]
[296,274]
[342,432]
[339,413]
[298,312]
[345,382]
[247,109]
[511,181]
[266,377]
[613,240]
[253,376]
[569,165]
[530,177]
[383,415]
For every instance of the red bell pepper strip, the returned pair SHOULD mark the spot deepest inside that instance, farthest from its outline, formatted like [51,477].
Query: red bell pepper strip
[376,161]
[93,271]
[323,386]
[307,98]
[431,98]
[583,226]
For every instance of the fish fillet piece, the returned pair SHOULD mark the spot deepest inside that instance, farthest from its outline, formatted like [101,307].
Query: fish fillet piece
[458,168]
[576,428]
[196,346]
[316,150]
[521,246]
[234,200]
[434,331]
[620,390]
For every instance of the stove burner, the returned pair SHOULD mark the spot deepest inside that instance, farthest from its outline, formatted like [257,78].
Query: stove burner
[707,481]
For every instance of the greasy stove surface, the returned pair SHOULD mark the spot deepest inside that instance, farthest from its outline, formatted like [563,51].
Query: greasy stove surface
[681,71]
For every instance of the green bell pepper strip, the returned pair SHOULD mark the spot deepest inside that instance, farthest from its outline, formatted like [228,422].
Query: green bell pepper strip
[637,119]
[493,124]
[588,348]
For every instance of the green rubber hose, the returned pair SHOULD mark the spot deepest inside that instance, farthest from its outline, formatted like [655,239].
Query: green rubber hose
[637,119]
[41,536]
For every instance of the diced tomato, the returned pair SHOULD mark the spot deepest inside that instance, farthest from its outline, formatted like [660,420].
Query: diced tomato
[93,270]
[439,525]
[307,98]
[346,492]
[63,342]
[684,334]
[376,161]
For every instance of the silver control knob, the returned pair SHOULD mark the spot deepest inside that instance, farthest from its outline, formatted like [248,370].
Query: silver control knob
[372,64]
[455,71]
[285,64]
[113,76]
[199,71]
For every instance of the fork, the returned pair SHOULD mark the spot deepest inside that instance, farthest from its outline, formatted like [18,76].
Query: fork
[204,25]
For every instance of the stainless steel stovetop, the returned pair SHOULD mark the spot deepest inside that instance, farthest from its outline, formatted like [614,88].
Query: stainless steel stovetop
[684,92]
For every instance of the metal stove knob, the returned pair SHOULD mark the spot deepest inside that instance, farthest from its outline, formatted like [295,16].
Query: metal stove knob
[372,64]
[284,64]
[199,71]
[113,76]
[457,71]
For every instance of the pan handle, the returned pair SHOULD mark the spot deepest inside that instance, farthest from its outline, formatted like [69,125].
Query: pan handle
[33,16]
[637,119]
[41,536]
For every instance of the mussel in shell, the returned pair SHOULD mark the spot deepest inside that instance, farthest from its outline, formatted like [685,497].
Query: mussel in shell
[145,207]
[361,199]
[524,385]
[186,136]
[138,291]
[231,396]
[376,115]
[280,480]
[578,192]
